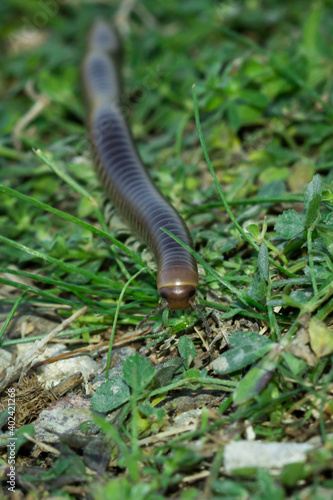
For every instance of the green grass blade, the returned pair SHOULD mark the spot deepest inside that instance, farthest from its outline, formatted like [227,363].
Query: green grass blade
[48,296]
[217,184]
[71,218]
[76,332]
[70,268]
[116,319]
[12,312]
[75,185]
[61,285]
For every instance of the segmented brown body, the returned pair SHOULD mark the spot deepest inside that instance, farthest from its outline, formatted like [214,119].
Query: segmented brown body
[124,178]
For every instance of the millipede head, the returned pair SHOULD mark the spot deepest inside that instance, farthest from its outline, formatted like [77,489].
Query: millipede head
[178,296]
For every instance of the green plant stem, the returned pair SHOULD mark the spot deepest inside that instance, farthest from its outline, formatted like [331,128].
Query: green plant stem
[229,312]
[134,423]
[325,311]
[66,333]
[46,295]
[71,218]
[311,264]
[248,201]
[116,319]
[225,385]
[131,462]
[272,323]
[74,184]
[12,312]
[217,184]
[70,268]
[60,285]
[323,295]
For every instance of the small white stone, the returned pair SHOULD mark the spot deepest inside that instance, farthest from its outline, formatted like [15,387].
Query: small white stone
[56,372]
[247,454]
[188,417]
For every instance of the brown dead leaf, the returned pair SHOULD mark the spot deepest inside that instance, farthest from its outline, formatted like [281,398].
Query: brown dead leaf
[300,347]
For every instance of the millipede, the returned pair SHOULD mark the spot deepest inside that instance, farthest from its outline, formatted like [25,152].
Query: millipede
[125,179]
